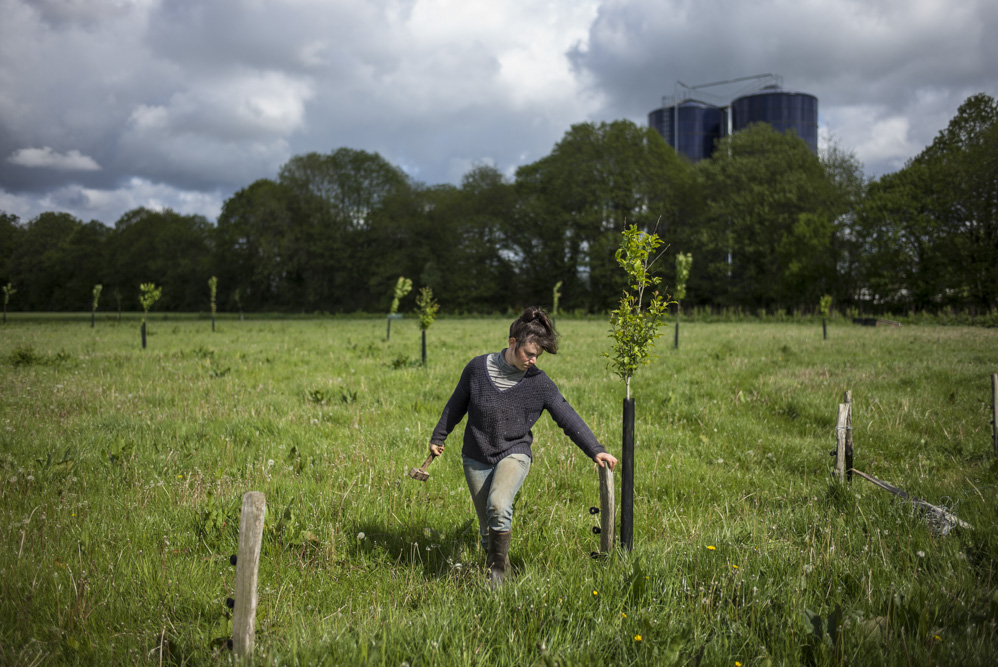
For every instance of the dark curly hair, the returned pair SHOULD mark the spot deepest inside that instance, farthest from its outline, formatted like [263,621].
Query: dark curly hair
[534,326]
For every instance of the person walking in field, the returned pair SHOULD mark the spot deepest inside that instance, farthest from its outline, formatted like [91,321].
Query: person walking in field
[503,395]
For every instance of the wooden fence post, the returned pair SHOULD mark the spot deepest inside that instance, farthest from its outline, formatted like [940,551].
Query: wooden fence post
[247,566]
[840,439]
[994,411]
[608,509]
[847,399]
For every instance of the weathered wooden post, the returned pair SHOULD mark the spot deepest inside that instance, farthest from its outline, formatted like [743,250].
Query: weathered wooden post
[607,510]
[847,399]
[840,442]
[994,411]
[247,567]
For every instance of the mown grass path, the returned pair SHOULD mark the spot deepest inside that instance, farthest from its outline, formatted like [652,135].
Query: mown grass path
[122,470]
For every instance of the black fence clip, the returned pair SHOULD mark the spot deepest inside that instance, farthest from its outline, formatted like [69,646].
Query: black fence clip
[595,530]
[232,560]
[230,603]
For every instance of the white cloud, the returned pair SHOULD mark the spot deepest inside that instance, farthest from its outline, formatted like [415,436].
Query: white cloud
[46,158]
[107,205]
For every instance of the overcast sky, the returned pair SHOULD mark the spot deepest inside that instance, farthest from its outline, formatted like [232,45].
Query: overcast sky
[107,105]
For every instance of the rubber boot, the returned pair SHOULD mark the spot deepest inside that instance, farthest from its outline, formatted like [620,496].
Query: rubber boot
[498,557]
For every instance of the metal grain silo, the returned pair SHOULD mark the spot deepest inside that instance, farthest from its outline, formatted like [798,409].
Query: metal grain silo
[782,109]
[700,126]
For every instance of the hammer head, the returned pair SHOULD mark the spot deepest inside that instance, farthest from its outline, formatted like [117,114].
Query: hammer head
[419,475]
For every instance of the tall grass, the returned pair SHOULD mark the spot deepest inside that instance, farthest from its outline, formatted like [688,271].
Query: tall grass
[121,473]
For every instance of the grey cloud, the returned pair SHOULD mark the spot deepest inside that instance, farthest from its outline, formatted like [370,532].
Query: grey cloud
[182,102]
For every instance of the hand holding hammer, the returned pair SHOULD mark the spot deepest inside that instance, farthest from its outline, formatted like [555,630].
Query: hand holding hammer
[419,474]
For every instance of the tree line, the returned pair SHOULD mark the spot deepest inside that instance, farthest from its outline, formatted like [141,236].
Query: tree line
[770,226]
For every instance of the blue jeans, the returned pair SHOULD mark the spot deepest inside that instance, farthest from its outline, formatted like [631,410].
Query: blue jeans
[493,490]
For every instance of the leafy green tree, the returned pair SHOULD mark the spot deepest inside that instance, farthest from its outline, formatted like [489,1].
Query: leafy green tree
[341,201]
[40,263]
[963,161]
[10,232]
[574,204]
[260,242]
[928,233]
[171,249]
[766,225]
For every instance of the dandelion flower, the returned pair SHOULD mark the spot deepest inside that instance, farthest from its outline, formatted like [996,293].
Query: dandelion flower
[937,638]
[623,614]
[637,638]
[738,664]
[595,592]
[735,566]
[712,548]
[361,535]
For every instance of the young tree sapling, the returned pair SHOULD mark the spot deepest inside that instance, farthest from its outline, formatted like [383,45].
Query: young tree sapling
[8,291]
[426,310]
[148,295]
[93,310]
[683,264]
[824,306]
[402,287]
[634,328]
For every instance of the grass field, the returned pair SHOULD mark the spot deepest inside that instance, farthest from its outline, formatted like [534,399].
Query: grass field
[122,472]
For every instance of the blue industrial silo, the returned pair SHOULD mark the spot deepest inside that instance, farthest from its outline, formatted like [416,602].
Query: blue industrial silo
[783,110]
[700,126]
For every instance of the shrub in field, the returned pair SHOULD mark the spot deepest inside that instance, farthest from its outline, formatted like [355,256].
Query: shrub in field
[8,291]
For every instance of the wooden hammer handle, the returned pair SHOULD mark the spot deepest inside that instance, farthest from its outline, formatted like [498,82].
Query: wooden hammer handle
[428,461]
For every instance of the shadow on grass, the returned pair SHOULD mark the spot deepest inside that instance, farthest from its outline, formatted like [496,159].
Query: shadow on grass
[418,545]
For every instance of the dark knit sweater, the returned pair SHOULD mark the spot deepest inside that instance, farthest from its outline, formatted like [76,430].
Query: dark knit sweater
[500,422]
